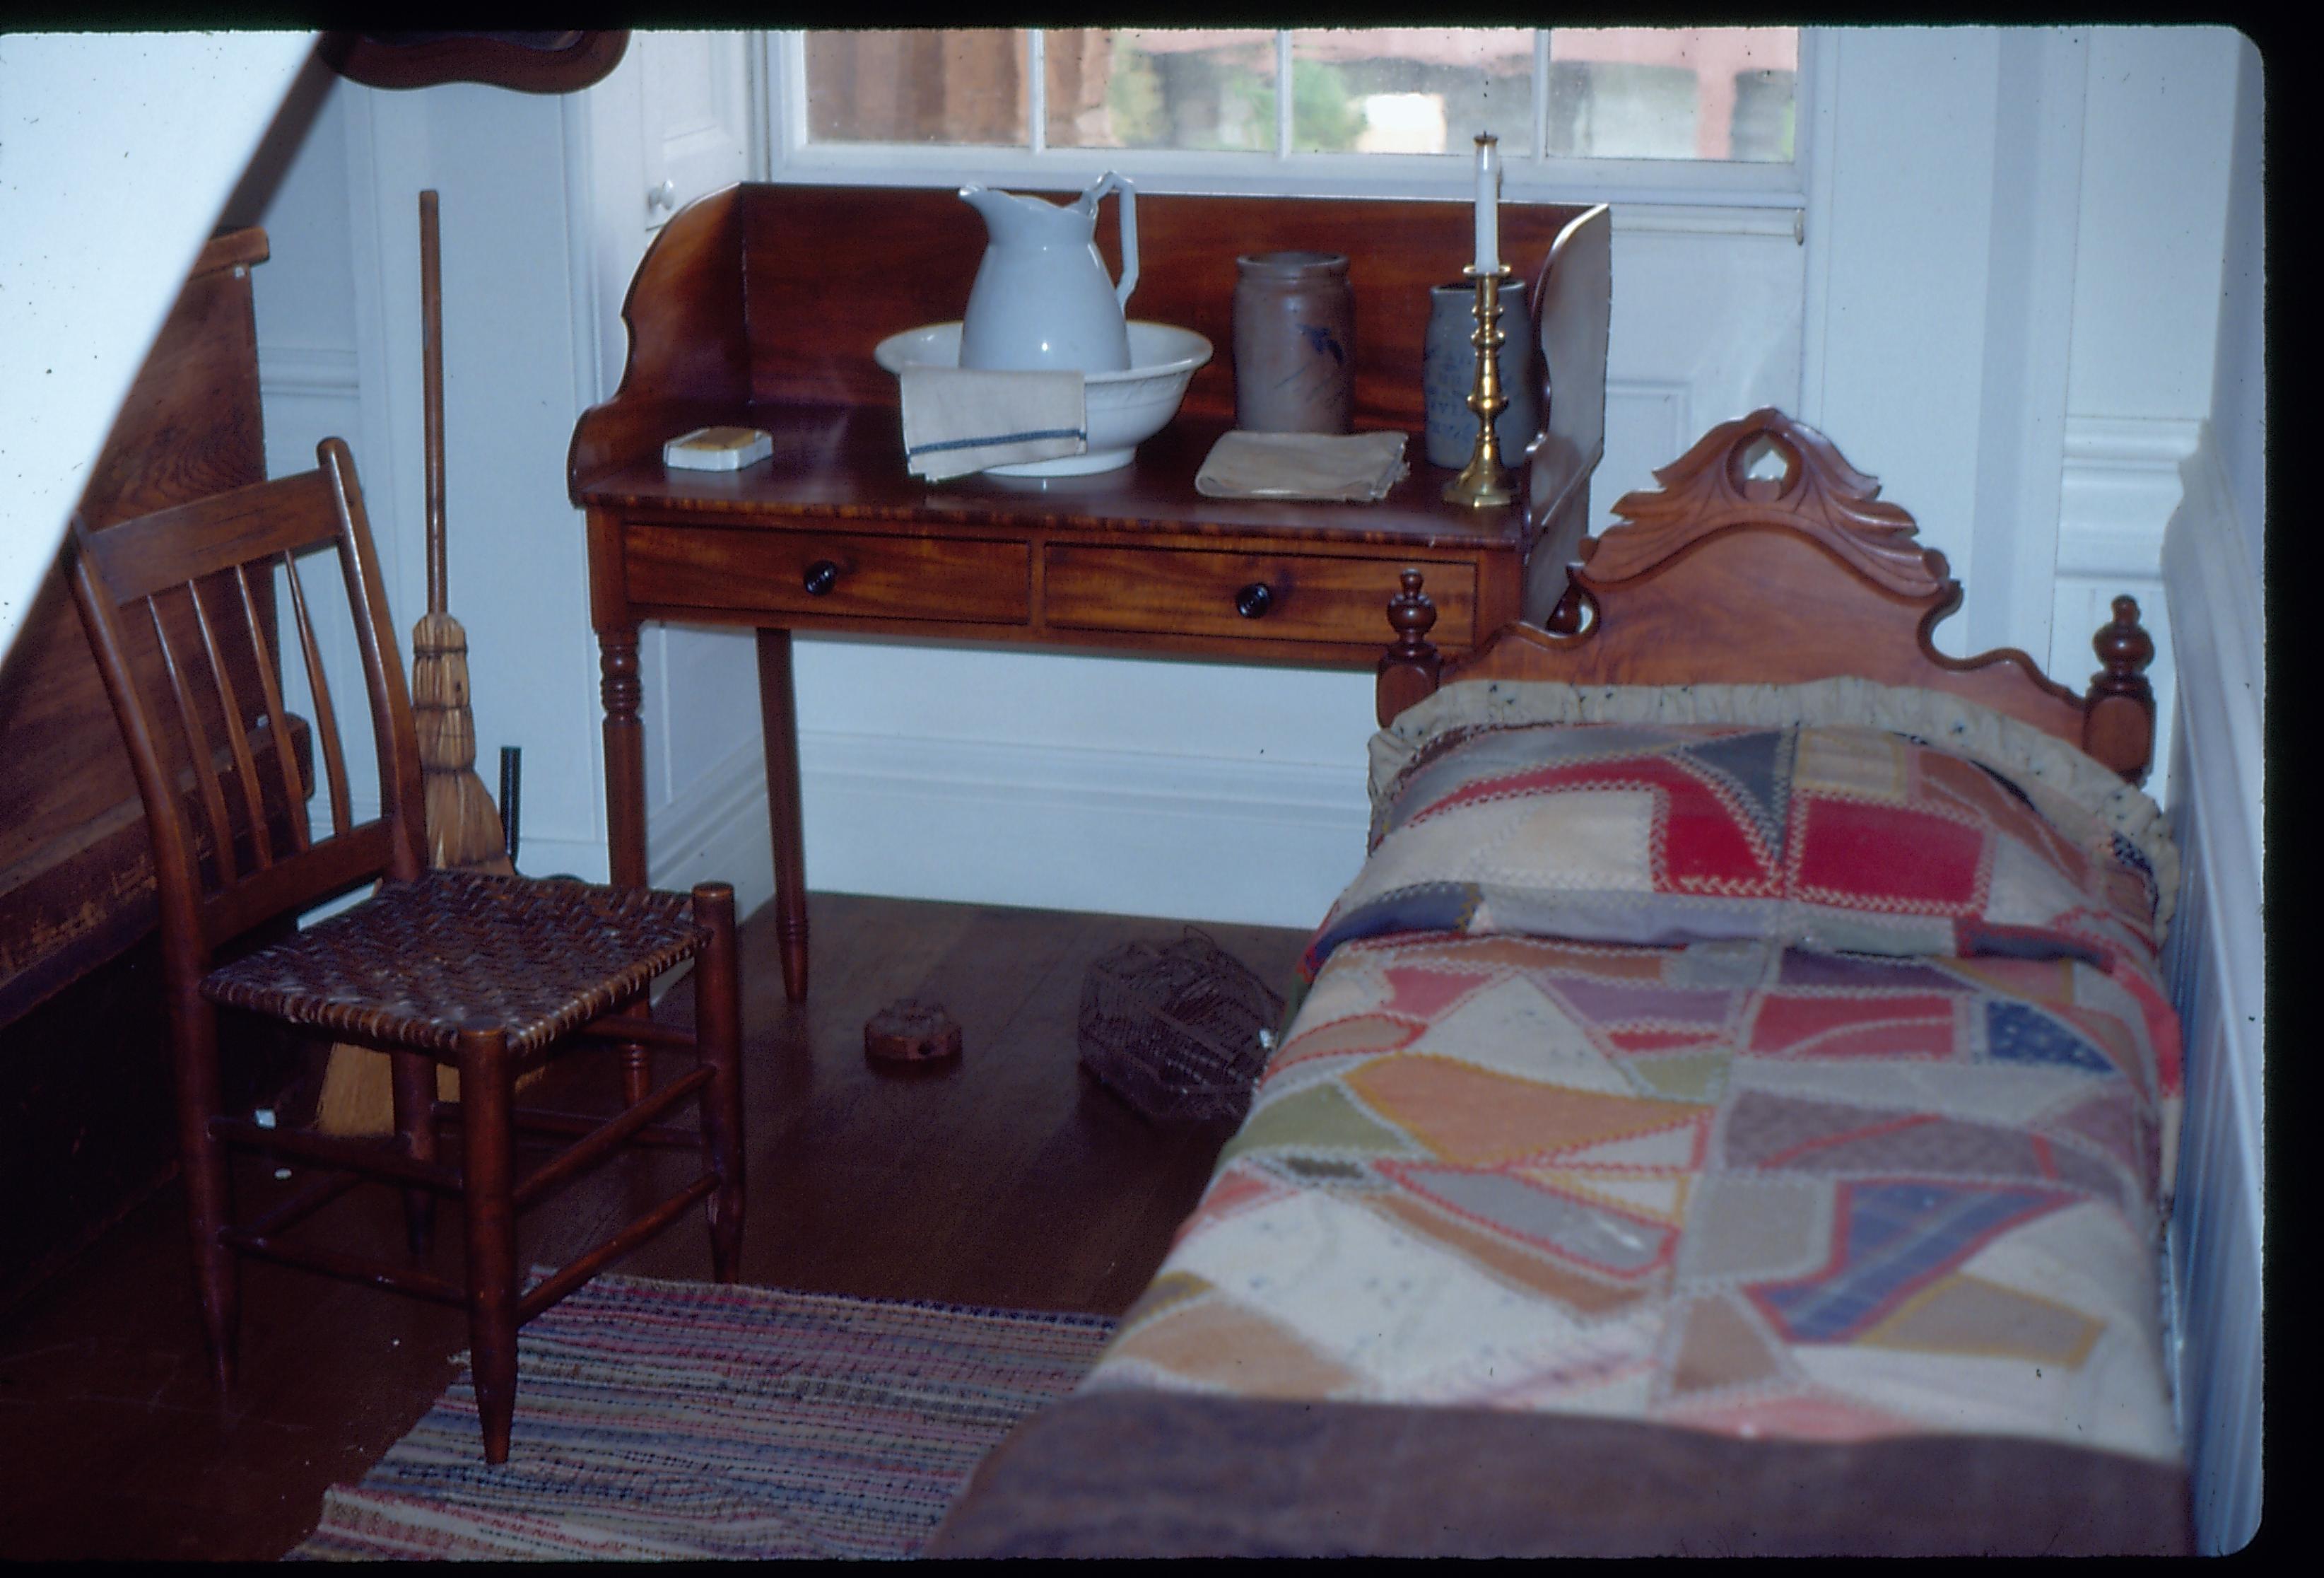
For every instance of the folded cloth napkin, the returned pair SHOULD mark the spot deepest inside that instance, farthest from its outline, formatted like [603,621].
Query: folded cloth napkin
[960,419]
[1356,467]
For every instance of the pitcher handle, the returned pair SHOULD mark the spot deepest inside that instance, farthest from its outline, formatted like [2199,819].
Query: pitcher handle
[1114,181]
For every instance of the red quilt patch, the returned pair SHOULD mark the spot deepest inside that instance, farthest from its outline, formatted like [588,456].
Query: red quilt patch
[1887,857]
[1914,1026]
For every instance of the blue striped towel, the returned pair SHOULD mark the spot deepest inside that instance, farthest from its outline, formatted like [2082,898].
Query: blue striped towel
[958,419]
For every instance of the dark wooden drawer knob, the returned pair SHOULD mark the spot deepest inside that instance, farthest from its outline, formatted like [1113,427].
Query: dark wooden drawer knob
[821,577]
[1255,600]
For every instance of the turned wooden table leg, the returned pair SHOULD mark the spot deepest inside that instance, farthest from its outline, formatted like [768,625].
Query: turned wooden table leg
[778,722]
[622,690]
[625,755]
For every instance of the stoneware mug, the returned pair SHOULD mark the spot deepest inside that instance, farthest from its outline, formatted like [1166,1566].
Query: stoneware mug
[1448,363]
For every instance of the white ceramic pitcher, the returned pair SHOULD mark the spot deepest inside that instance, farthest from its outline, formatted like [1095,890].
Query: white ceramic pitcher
[1042,298]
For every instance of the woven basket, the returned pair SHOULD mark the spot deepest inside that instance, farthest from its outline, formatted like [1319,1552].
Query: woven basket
[1177,1031]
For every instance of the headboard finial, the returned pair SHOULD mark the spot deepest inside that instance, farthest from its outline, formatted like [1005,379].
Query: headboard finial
[2118,708]
[1817,492]
[1409,670]
[2124,650]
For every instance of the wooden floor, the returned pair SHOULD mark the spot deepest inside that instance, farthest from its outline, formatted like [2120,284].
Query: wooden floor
[1009,1179]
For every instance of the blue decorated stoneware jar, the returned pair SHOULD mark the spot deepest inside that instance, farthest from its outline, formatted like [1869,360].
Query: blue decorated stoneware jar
[1294,343]
[1448,374]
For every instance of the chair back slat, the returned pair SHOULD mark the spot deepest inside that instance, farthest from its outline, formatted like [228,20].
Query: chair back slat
[278,719]
[198,745]
[335,764]
[331,865]
[237,738]
[198,706]
[137,557]
[396,737]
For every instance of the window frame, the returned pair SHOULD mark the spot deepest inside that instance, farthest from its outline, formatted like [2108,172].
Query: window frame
[786,154]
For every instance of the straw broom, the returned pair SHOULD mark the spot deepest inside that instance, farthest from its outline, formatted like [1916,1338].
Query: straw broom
[463,830]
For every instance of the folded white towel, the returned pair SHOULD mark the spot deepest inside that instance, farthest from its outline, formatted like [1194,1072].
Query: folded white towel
[960,419]
[1354,467]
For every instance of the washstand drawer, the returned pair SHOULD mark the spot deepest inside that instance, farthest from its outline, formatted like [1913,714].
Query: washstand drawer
[1258,597]
[842,573]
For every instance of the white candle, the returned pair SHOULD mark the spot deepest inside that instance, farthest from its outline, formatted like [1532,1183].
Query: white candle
[1489,195]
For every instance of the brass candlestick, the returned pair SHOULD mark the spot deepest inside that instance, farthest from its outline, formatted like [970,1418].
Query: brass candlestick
[1484,482]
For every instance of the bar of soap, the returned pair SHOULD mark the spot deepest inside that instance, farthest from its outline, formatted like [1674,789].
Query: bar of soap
[717,449]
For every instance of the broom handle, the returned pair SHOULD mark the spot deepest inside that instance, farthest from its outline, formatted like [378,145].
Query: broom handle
[431,361]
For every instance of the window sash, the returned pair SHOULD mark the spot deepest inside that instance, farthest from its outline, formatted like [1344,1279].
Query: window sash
[789,155]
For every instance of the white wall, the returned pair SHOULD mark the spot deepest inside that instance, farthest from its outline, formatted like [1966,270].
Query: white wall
[339,352]
[2013,300]
[1901,230]
[2212,568]
[2145,319]
[117,152]
[2239,375]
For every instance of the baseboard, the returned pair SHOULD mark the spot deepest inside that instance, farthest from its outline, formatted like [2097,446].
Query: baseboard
[1112,832]
[309,369]
[2217,982]
[714,830]
[1116,832]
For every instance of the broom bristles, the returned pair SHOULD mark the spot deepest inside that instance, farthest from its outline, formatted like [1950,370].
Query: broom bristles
[447,738]
[463,831]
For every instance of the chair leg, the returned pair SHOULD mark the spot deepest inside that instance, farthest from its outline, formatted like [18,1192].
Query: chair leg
[487,1136]
[193,1047]
[415,1095]
[718,1035]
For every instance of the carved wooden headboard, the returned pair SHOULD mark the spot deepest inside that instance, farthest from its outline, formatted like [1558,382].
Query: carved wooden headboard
[1722,575]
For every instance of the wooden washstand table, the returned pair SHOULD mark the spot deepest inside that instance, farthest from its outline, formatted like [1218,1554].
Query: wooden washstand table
[754,306]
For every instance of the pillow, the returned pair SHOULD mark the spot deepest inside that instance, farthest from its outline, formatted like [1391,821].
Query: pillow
[2038,762]
[1834,839]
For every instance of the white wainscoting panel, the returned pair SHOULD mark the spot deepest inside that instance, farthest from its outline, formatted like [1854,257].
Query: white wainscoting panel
[1706,328]
[2217,984]
[1645,417]
[1116,832]
[713,831]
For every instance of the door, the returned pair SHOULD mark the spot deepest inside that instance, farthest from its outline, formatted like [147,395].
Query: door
[695,93]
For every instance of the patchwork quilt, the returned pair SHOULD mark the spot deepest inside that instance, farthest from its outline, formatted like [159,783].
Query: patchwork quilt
[1803,1083]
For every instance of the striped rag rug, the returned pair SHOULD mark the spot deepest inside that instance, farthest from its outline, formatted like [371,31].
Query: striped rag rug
[673,1420]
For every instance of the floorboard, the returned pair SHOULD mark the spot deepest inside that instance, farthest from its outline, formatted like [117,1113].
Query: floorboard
[1006,1178]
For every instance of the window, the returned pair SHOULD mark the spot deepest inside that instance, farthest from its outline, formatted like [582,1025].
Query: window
[1665,109]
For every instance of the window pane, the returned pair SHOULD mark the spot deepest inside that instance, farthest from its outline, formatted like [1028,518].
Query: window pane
[1721,92]
[957,84]
[1410,90]
[1161,87]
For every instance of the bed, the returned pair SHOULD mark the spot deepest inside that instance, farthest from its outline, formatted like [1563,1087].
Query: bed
[1730,1112]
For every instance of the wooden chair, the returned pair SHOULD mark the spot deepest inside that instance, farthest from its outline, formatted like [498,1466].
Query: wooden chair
[489,975]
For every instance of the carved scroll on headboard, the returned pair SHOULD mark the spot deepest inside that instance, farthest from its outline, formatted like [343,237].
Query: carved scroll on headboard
[1818,493]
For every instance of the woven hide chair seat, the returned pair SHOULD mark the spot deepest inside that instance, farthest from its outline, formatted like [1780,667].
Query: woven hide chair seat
[421,960]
